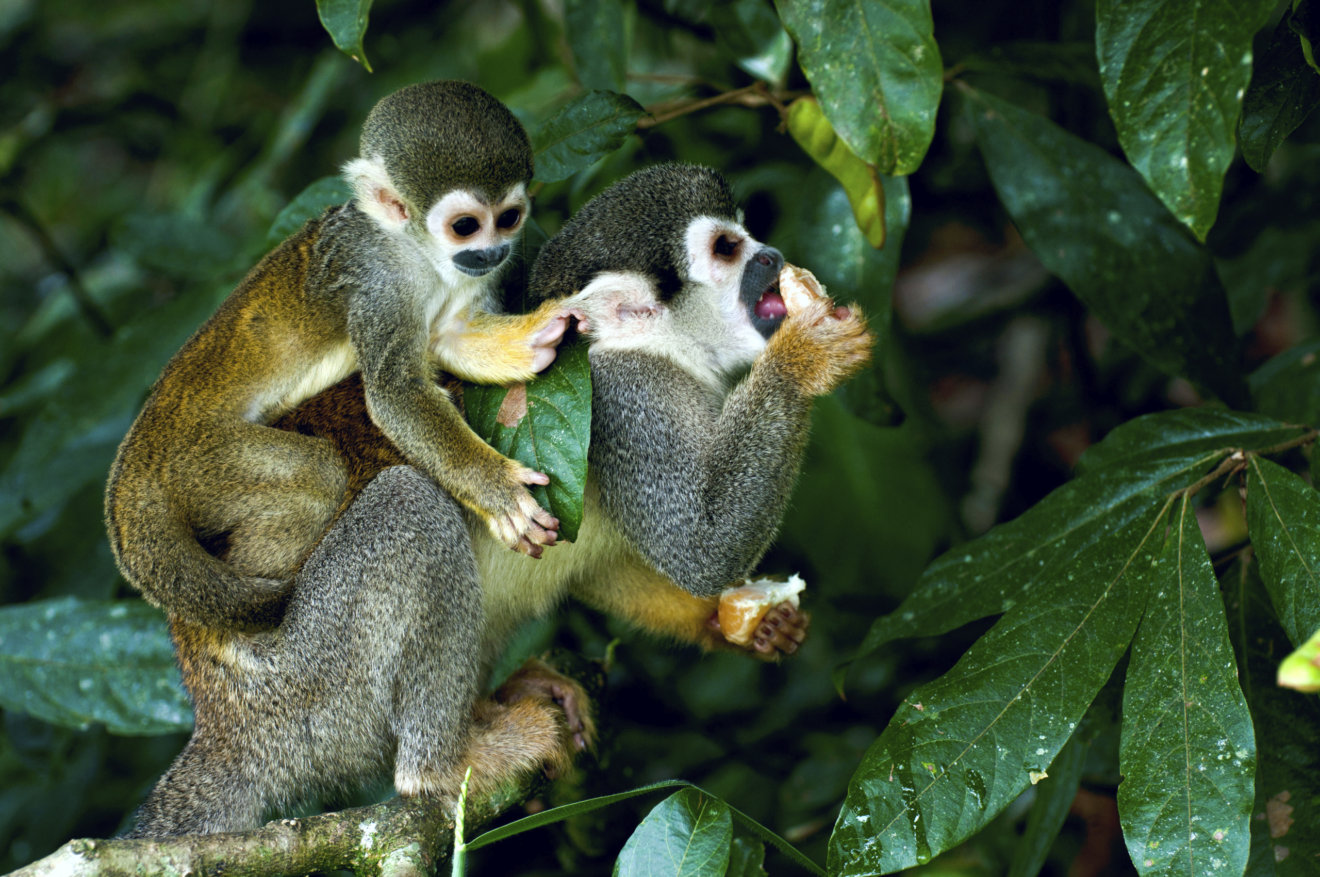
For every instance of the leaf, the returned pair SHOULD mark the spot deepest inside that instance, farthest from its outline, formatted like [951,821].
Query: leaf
[853,271]
[750,33]
[1093,223]
[591,127]
[1137,464]
[308,204]
[1306,24]
[688,833]
[1174,73]
[1283,92]
[1288,386]
[809,127]
[1071,63]
[747,858]
[1300,670]
[961,748]
[346,22]
[595,32]
[1054,798]
[876,69]
[551,433]
[1287,728]
[1187,754]
[1283,513]
[73,663]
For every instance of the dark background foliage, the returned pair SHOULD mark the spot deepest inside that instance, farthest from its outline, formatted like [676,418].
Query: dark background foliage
[147,148]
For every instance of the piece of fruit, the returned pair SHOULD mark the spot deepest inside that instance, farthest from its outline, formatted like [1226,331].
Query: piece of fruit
[742,608]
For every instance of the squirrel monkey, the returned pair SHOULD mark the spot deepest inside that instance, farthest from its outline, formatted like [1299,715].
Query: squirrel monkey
[400,279]
[703,378]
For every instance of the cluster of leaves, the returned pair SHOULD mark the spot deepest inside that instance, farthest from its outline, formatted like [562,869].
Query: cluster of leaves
[1104,133]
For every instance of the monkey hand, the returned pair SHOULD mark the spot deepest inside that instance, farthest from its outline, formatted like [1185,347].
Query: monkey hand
[537,680]
[779,633]
[544,342]
[516,519]
[819,345]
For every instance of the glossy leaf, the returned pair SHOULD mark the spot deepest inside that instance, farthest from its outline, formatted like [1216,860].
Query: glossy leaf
[1287,729]
[876,69]
[751,34]
[1093,223]
[346,22]
[1288,386]
[687,835]
[1054,799]
[809,127]
[307,204]
[1174,73]
[595,32]
[1136,464]
[1283,92]
[591,127]
[546,424]
[746,858]
[74,663]
[1188,754]
[961,748]
[1283,517]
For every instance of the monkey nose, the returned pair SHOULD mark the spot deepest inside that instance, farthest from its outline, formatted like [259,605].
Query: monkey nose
[770,258]
[478,262]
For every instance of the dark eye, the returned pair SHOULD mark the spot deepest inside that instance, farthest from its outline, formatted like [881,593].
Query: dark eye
[465,227]
[725,246]
[509,218]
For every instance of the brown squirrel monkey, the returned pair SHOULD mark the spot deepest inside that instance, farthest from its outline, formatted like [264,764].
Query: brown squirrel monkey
[401,278]
[703,378]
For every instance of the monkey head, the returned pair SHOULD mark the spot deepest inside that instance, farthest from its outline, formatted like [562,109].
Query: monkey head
[666,246]
[447,165]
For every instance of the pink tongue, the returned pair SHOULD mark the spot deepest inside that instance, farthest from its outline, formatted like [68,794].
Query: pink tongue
[771,306]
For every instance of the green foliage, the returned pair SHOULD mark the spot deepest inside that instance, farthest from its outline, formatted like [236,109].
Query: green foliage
[75,663]
[551,433]
[1078,186]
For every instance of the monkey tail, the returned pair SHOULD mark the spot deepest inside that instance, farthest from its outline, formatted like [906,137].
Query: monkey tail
[159,554]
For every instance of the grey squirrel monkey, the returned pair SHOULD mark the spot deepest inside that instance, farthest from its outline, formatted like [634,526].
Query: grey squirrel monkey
[398,280]
[703,378]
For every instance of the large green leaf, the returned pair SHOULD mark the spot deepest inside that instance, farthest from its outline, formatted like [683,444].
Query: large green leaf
[1283,518]
[595,31]
[687,835]
[1136,464]
[963,747]
[876,69]
[346,22]
[591,127]
[1054,799]
[307,204]
[74,663]
[1288,386]
[750,33]
[1174,73]
[546,424]
[1287,727]
[1188,755]
[1283,92]
[1093,222]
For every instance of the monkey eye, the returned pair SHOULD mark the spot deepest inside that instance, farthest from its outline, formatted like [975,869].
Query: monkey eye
[465,226]
[509,218]
[725,246]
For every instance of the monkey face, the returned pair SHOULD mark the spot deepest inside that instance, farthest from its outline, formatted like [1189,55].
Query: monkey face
[475,234]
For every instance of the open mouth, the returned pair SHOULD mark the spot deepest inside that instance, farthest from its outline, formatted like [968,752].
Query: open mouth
[768,311]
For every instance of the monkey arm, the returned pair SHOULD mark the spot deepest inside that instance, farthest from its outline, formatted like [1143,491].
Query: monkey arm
[697,486]
[390,339]
[502,348]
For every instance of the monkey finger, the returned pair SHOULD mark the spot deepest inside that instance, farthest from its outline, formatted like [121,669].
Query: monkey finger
[552,333]
[583,324]
[545,519]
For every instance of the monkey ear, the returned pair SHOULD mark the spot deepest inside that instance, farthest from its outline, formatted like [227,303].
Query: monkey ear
[619,304]
[375,193]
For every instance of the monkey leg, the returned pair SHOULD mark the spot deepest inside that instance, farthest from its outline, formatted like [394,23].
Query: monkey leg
[503,348]
[270,497]
[374,665]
